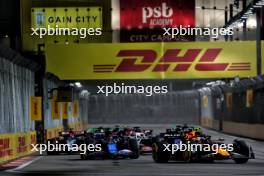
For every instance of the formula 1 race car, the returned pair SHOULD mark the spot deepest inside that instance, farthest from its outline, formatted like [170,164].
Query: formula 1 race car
[189,144]
[145,146]
[114,145]
[144,138]
[67,142]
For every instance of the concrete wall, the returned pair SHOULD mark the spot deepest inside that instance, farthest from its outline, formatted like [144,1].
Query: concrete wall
[242,129]
[210,123]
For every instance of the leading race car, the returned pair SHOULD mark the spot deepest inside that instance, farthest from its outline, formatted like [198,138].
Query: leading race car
[114,144]
[198,147]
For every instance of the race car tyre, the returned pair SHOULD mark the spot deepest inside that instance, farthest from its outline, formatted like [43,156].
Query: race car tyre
[242,148]
[241,160]
[133,145]
[158,155]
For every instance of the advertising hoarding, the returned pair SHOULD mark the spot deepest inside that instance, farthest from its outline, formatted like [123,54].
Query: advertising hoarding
[156,13]
[66,17]
[188,60]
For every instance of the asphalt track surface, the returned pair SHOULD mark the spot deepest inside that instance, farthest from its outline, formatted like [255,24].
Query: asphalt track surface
[72,165]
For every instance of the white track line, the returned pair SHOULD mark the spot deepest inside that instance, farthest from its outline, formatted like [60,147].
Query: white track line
[23,165]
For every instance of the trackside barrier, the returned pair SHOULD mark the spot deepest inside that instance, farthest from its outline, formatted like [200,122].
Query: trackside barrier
[235,108]
[211,107]
[243,129]
[16,145]
[53,132]
[78,126]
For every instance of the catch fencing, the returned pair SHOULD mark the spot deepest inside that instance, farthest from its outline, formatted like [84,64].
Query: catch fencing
[171,108]
[16,86]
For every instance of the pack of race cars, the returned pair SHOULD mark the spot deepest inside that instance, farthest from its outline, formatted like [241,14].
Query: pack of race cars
[181,143]
[198,147]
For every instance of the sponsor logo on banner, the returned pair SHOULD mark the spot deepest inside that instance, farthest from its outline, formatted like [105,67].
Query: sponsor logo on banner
[65,110]
[130,60]
[16,145]
[152,60]
[56,111]
[21,144]
[5,147]
[40,19]
[156,13]
[36,108]
[151,35]
[249,102]
[72,17]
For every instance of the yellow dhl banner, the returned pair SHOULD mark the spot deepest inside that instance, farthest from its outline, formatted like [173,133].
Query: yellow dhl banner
[65,110]
[78,126]
[180,60]
[205,101]
[229,100]
[16,145]
[75,110]
[249,100]
[56,110]
[53,132]
[36,108]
